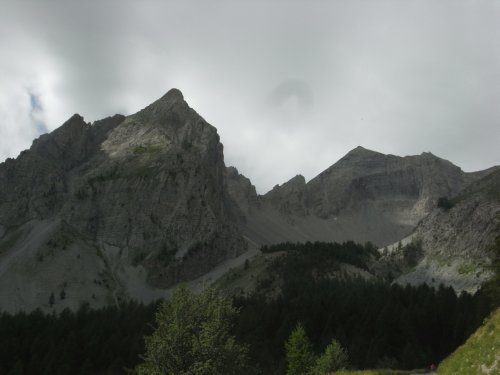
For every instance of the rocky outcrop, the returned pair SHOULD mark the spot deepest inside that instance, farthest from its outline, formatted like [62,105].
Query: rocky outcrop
[146,193]
[290,199]
[242,192]
[365,196]
[127,207]
[457,240]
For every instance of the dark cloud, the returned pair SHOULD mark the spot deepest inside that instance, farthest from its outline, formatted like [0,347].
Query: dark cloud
[291,89]
[290,85]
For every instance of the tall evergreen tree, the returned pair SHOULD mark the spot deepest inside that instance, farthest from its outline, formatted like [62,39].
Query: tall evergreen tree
[193,337]
[299,356]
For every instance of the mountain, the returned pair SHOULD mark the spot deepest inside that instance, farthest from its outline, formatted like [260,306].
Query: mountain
[457,241]
[119,209]
[129,206]
[365,196]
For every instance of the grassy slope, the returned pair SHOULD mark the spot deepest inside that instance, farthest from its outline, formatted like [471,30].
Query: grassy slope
[374,372]
[480,354]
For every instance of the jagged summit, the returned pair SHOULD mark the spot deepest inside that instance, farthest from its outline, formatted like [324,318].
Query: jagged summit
[160,111]
[134,203]
[360,152]
[173,95]
[130,205]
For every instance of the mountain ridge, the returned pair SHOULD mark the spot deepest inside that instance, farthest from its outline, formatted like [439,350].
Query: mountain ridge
[129,206]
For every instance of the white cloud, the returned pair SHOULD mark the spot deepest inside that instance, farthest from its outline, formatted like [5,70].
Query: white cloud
[397,77]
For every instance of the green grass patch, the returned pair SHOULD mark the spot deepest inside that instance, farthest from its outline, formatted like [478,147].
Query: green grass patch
[467,269]
[148,149]
[480,354]
[379,372]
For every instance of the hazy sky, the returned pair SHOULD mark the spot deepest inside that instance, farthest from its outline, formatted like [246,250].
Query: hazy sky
[290,85]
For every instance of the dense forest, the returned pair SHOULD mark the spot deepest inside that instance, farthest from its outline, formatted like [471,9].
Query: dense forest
[379,324]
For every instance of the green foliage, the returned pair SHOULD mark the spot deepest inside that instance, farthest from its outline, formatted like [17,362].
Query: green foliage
[412,253]
[467,268]
[148,149]
[111,173]
[325,254]
[445,203]
[492,287]
[299,356]
[372,320]
[301,359]
[378,372]
[104,341]
[480,354]
[334,358]
[192,336]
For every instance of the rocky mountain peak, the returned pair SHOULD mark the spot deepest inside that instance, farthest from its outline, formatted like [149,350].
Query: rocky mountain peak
[360,153]
[173,95]
[291,197]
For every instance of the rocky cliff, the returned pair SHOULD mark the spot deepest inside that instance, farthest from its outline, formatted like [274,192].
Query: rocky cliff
[122,208]
[365,196]
[457,239]
[127,207]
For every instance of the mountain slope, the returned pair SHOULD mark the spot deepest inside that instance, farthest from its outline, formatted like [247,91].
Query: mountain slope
[457,242]
[129,206]
[365,196]
[136,203]
[480,354]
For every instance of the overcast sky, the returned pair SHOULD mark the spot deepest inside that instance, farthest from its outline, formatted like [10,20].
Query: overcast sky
[291,86]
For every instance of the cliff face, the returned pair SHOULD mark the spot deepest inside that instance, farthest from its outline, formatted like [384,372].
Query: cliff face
[457,241]
[127,207]
[365,196]
[141,202]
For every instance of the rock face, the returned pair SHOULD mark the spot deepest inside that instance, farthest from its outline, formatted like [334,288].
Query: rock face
[127,207]
[140,202]
[365,196]
[457,241]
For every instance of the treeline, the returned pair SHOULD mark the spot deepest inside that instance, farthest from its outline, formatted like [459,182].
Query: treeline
[103,341]
[379,324]
[325,254]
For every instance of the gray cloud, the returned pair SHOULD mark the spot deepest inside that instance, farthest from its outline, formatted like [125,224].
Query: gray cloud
[290,85]
[291,89]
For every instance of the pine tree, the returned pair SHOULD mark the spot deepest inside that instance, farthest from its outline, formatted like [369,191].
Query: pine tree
[193,337]
[299,356]
[334,358]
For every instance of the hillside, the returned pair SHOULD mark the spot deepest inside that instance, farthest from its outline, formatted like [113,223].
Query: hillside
[480,354]
[457,242]
[121,209]
[365,196]
[129,206]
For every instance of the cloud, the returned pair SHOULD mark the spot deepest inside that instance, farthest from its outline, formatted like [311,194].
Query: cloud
[291,89]
[290,85]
